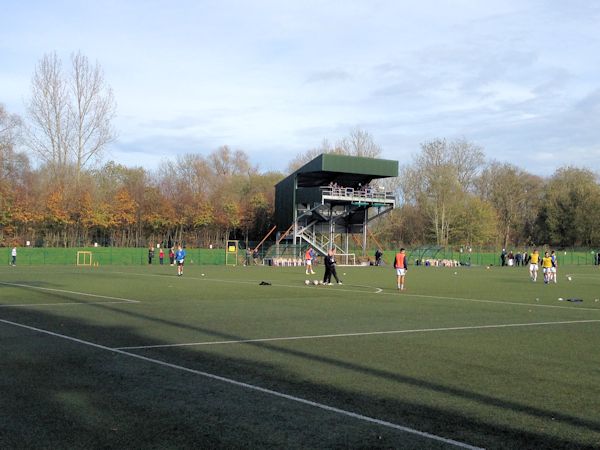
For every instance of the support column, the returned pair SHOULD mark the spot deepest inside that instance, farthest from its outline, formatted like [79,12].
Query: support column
[365,224]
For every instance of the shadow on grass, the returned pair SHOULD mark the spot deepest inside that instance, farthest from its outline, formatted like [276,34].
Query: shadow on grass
[58,393]
[336,363]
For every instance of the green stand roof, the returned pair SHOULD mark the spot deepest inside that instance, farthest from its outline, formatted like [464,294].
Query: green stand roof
[347,171]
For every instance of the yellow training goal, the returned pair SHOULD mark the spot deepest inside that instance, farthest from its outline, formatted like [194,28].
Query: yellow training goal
[84,258]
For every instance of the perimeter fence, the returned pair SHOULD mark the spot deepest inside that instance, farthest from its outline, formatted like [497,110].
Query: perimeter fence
[216,256]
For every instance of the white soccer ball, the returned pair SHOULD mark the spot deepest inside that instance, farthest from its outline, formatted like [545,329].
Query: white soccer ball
[560,299]
[307,282]
[316,282]
[569,278]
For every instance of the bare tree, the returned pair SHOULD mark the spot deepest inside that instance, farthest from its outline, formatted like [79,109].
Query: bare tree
[224,162]
[516,196]
[70,114]
[439,181]
[48,132]
[92,109]
[303,157]
[468,159]
[9,128]
[12,162]
[358,143]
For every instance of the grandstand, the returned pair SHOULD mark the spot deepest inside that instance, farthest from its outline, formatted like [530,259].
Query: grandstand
[330,200]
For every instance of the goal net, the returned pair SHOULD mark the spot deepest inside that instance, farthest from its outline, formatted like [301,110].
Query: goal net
[84,258]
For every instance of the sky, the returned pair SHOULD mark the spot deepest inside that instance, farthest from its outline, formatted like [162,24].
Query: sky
[273,78]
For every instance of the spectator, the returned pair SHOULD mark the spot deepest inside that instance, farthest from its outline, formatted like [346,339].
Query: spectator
[150,254]
[378,255]
[255,256]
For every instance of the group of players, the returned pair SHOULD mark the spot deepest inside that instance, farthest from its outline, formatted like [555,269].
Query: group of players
[400,264]
[549,266]
[330,265]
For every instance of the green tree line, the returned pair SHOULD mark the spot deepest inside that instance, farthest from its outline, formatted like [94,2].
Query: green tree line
[450,195]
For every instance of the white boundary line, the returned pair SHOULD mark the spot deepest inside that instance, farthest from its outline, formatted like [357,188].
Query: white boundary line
[371,333]
[253,388]
[118,299]
[377,291]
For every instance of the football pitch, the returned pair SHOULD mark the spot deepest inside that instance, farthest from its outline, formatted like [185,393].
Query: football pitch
[136,357]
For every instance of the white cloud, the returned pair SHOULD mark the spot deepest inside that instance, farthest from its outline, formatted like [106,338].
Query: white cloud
[518,77]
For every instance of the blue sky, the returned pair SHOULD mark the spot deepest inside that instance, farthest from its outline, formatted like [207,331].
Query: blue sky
[274,78]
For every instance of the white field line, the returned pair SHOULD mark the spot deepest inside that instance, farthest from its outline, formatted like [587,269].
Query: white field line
[254,282]
[254,388]
[500,302]
[589,276]
[377,291]
[64,291]
[368,333]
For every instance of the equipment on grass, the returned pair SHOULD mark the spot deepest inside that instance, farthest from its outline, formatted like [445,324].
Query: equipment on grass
[316,282]
[307,282]
[264,283]
[84,258]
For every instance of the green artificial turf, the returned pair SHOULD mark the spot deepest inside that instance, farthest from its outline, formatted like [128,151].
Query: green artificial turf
[483,357]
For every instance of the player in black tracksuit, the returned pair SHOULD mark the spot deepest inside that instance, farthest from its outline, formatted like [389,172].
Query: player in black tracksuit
[330,268]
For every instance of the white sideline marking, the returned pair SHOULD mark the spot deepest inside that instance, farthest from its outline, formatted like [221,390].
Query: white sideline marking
[119,299]
[254,388]
[368,333]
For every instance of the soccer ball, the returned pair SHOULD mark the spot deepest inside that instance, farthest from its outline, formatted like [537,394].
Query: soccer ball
[569,278]
[316,282]
[306,282]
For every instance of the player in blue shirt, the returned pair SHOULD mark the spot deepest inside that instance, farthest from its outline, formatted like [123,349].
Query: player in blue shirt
[180,258]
